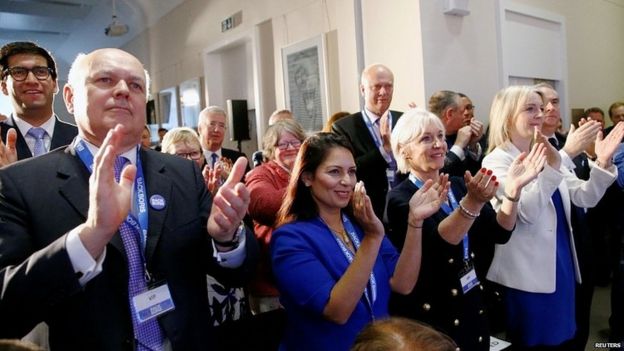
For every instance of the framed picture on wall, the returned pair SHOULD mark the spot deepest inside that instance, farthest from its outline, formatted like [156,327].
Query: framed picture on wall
[191,101]
[305,89]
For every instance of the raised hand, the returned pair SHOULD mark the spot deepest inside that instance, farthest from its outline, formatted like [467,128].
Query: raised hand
[385,131]
[581,138]
[363,211]
[225,165]
[428,199]
[464,134]
[230,204]
[8,153]
[481,187]
[552,155]
[524,169]
[476,128]
[212,178]
[605,148]
[109,201]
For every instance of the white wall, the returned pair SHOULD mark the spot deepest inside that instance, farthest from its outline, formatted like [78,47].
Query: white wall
[426,49]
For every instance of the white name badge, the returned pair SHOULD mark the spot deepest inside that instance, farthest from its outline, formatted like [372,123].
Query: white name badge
[390,175]
[153,303]
[469,280]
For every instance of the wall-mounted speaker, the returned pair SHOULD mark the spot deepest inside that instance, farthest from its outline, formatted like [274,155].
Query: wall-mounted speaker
[239,123]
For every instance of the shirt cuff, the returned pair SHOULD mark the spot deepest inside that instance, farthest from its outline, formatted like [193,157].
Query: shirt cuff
[566,161]
[235,257]
[84,265]
[458,151]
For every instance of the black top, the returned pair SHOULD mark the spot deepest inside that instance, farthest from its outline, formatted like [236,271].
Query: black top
[438,299]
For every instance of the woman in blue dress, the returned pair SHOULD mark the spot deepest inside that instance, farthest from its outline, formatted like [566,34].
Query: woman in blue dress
[538,265]
[333,265]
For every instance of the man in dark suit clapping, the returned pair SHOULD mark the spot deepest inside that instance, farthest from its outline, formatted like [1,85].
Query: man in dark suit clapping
[115,257]
[369,133]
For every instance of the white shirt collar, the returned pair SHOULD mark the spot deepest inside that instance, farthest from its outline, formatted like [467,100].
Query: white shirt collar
[24,126]
[131,154]
[208,154]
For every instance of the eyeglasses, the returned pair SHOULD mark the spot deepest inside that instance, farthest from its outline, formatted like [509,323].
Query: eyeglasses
[20,74]
[193,155]
[285,144]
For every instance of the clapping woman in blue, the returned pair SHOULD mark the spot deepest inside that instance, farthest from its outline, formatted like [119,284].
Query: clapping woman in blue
[333,265]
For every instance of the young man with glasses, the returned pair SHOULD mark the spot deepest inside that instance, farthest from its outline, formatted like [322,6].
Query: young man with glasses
[29,78]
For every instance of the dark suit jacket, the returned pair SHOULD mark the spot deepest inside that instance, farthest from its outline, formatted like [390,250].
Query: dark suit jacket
[63,135]
[43,198]
[454,166]
[371,166]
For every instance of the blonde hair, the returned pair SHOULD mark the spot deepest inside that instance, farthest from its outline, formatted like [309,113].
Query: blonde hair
[409,127]
[185,135]
[506,105]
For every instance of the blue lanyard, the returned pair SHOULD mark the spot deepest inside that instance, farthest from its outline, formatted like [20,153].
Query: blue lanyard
[377,140]
[371,128]
[447,209]
[140,195]
[369,295]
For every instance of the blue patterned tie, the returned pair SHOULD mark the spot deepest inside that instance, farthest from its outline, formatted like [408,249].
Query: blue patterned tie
[38,134]
[214,157]
[148,334]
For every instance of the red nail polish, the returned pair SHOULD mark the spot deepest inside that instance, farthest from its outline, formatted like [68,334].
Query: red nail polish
[493,177]
[495,183]
[482,170]
[489,172]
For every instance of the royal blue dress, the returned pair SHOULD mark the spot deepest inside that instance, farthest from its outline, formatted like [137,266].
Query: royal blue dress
[307,262]
[535,319]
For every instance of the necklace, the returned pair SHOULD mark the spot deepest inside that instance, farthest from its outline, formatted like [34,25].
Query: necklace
[342,234]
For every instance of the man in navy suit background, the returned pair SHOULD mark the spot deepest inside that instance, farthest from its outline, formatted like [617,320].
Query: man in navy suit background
[212,126]
[369,131]
[29,79]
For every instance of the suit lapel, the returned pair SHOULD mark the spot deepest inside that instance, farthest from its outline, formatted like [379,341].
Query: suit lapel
[62,134]
[157,184]
[75,188]
[22,148]
[360,124]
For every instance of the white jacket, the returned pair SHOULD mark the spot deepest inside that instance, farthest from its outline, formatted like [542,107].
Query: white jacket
[528,261]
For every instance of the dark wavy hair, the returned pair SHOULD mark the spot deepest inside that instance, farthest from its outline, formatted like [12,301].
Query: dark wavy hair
[25,47]
[298,202]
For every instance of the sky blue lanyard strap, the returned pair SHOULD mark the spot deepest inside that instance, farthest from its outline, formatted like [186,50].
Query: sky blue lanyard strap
[369,294]
[447,209]
[140,196]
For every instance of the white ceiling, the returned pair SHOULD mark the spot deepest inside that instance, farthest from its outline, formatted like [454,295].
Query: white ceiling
[68,27]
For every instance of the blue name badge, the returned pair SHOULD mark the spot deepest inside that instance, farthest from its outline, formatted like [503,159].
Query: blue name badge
[469,280]
[153,303]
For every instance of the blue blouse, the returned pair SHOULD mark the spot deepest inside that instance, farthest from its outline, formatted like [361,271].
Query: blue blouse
[307,262]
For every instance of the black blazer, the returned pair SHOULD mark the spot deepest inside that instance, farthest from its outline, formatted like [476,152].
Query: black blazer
[63,135]
[454,166]
[371,166]
[43,198]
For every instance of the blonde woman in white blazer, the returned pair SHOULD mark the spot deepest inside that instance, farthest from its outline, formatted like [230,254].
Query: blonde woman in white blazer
[540,307]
